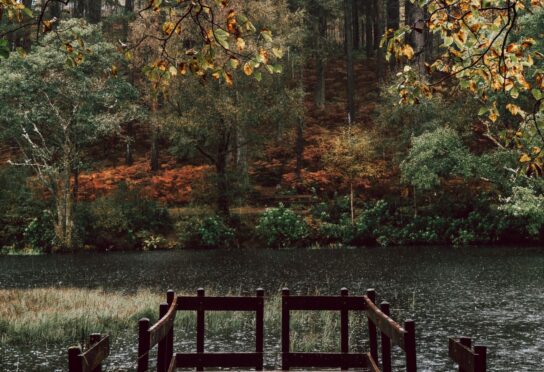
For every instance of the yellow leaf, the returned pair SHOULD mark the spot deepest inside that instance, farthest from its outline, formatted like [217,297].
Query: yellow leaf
[248,68]
[408,51]
[168,27]
[240,43]
[524,158]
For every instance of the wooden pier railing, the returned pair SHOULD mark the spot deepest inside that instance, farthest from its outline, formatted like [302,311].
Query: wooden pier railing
[90,360]
[162,333]
[378,319]
[469,359]
[381,327]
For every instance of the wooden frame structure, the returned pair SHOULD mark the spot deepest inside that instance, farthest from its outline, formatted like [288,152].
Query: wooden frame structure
[469,359]
[90,360]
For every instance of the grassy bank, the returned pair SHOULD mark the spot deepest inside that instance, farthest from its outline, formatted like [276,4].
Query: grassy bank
[67,315]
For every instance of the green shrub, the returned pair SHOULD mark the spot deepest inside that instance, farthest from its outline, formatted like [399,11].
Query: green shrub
[124,220]
[40,233]
[207,232]
[281,227]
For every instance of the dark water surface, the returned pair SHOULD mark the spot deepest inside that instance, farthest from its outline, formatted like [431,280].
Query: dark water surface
[494,295]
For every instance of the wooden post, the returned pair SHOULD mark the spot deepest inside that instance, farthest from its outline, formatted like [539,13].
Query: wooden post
[372,334]
[259,327]
[386,342]
[465,341]
[284,328]
[74,360]
[481,358]
[94,339]
[170,295]
[200,321]
[162,362]
[344,326]
[143,345]
[410,344]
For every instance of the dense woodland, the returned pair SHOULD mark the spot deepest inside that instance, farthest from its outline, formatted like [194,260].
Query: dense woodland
[197,124]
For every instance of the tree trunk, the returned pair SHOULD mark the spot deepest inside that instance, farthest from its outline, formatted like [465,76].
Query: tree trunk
[223,199]
[320,59]
[355,24]
[348,6]
[299,148]
[393,21]
[64,225]
[378,32]
[94,12]
[351,196]
[129,139]
[79,9]
[415,18]
[154,161]
[369,22]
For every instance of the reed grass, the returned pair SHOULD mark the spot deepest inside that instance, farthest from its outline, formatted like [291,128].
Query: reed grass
[69,315]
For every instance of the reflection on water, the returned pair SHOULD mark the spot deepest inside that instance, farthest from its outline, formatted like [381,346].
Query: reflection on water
[494,295]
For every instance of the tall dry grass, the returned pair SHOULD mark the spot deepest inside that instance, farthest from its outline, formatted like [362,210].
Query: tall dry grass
[67,315]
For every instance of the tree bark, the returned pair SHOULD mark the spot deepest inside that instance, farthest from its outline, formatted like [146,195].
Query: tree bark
[79,9]
[415,18]
[223,199]
[129,139]
[379,27]
[94,12]
[154,160]
[64,225]
[348,6]
[355,24]
[369,23]
[321,59]
[393,21]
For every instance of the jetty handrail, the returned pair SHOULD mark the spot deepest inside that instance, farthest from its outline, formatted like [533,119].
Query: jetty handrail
[344,358]
[90,360]
[378,319]
[161,333]
[469,359]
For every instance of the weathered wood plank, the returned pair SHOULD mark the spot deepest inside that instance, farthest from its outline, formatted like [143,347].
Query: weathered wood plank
[464,356]
[161,329]
[218,303]
[325,360]
[332,303]
[225,360]
[386,325]
[95,355]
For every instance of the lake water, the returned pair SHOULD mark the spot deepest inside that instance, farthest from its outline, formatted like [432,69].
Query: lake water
[494,295]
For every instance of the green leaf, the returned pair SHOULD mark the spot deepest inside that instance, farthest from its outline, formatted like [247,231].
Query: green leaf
[483,110]
[537,94]
[221,36]
[4,48]
[258,75]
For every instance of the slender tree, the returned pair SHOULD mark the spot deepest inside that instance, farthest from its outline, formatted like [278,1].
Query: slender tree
[348,7]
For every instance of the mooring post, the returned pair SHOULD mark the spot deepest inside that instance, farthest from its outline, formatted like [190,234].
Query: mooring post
[386,342]
[344,325]
[481,358]
[170,295]
[143,345]
[284,328]
[372,333]
[162,363]
[200,321]
[259,327]
[74,360]
[410,345]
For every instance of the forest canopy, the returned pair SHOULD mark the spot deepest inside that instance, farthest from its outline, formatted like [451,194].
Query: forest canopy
[156,124]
